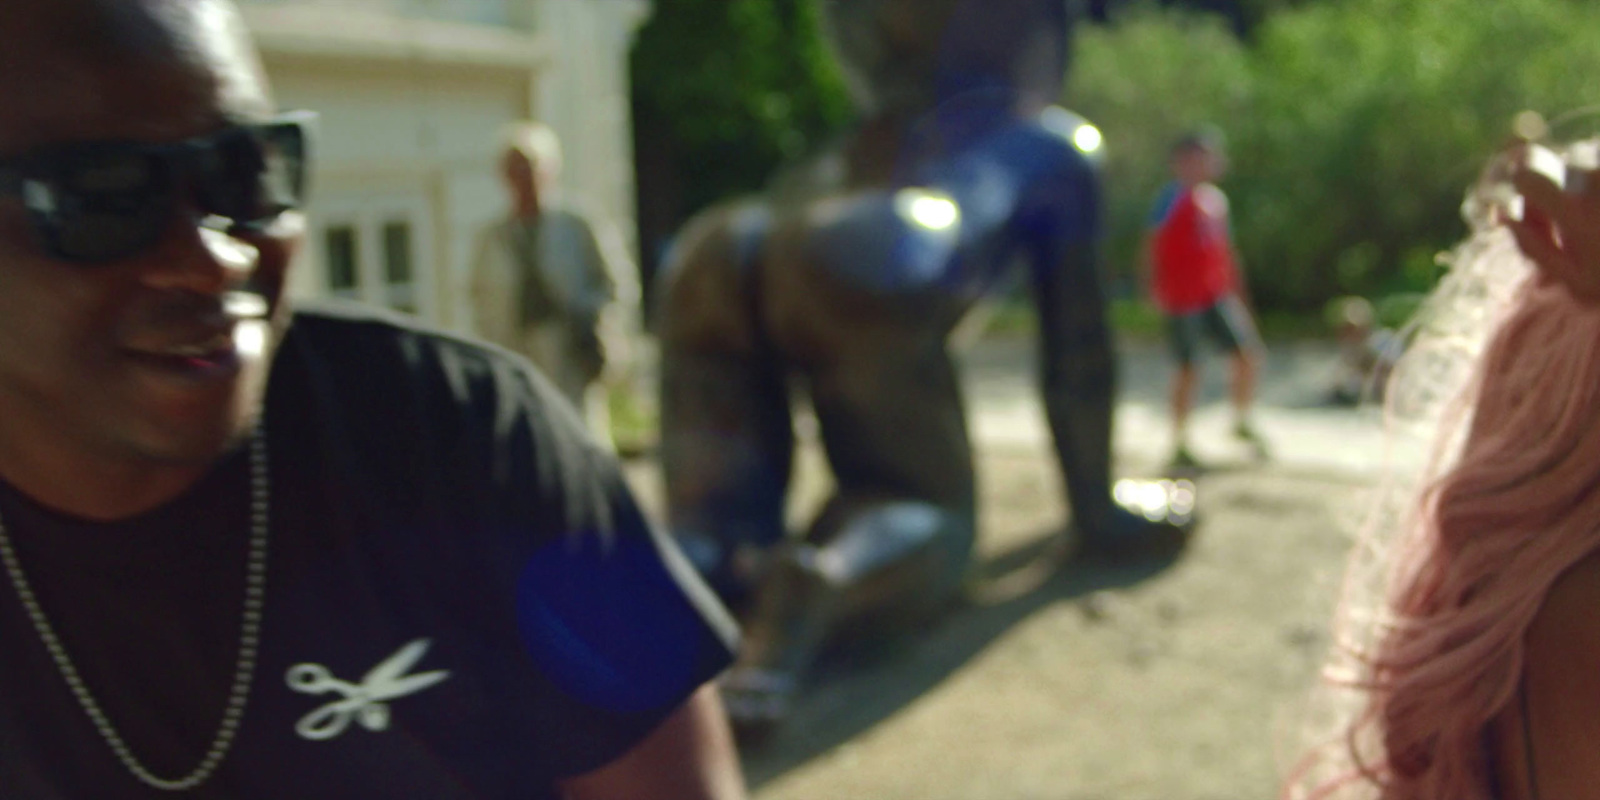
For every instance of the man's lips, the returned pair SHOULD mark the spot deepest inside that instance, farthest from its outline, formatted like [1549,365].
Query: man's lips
[191,370]
[210,356]
[194,343]
[190,348]
[212,335]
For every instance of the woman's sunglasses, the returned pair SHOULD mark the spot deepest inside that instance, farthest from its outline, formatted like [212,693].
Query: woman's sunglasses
[103,201]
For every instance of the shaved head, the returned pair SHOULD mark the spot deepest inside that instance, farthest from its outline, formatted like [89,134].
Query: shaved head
[66,62]
[127,30]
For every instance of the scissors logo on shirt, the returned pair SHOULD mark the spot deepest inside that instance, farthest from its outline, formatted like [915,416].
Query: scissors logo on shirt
[365,703]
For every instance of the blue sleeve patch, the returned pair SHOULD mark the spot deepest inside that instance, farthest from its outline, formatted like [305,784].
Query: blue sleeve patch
[1164,205]
[608,623]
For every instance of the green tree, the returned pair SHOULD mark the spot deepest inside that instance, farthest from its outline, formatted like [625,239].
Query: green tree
[736,87]
[1242,15]
[1144,80]
[1355,126]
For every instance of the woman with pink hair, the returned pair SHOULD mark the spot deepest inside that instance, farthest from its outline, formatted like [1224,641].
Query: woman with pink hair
[1475,674]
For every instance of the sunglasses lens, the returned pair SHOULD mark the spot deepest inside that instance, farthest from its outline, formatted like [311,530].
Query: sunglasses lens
[110,174]
[102,202]
[253,175]
[106,206]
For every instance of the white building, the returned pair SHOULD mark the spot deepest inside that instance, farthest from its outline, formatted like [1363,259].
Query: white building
[413,95]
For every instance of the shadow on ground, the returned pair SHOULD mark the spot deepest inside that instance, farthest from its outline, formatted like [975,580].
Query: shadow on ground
[855,688]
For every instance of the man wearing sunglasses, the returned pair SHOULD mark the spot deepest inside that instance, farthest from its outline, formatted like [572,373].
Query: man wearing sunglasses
[256,552]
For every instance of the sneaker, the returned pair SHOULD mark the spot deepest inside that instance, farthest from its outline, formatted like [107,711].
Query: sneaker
[1248,434]
[1183,459]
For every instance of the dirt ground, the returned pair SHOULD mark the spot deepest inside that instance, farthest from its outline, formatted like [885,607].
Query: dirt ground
[1174,681]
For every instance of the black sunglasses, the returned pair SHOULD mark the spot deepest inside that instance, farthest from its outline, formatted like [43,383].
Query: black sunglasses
[103,201]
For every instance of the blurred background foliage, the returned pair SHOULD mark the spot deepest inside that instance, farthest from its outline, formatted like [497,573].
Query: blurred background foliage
[739,85]
[1354,126]
[724,91]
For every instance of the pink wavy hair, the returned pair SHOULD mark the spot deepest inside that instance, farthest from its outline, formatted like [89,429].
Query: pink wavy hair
[1505,369]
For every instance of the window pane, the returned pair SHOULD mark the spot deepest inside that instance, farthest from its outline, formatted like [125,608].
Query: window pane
[340,256]
[397,252]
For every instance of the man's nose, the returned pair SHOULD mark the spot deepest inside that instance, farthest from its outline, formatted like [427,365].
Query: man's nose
[202,258]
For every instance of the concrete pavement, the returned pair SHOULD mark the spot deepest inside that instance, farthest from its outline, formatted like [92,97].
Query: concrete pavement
[1303,435]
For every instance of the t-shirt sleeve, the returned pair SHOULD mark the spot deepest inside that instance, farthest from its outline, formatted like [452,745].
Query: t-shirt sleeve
[1213,203]
[616,623]
[624,631]
[1164,205]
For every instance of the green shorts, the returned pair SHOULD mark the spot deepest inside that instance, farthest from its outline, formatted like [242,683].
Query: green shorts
[1227,323]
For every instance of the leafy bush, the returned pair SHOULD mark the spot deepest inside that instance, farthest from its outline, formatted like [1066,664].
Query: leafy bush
[737,87]
[1354,126]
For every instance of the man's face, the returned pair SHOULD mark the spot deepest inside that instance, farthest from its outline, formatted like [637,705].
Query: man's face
[525,178]
[1201,165]
[522,178]
[158,356]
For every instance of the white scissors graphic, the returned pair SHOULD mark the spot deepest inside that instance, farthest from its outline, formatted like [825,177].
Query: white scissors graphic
[365,702]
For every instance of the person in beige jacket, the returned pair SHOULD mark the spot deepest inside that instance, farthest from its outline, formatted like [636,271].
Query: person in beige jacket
[550,284]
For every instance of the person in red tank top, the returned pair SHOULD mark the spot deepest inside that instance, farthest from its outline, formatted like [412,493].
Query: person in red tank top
[1195,282]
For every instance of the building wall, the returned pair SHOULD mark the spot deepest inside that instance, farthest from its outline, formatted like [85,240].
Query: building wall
[402,147]
[413,95]
[499,13]
[587,99]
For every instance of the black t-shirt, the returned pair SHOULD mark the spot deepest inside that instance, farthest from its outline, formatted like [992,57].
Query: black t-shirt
[432,503]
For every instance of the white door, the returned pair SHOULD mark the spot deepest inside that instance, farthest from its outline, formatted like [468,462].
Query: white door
[377,248]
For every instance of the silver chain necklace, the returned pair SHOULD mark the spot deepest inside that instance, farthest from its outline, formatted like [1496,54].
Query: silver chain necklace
[249,638]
